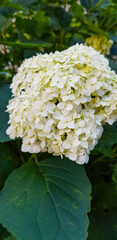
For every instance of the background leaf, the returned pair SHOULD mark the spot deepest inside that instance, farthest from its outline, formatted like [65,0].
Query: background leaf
[25,3]
[37,197]
[5,95]
[113,65]
[101,227]
[7,162]
[115,175]
[104,195]
[108,139]
[86,4]
[2,20]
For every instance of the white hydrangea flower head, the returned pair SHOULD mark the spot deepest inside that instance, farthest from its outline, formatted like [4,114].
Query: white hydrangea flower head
[99,43]
[61,101]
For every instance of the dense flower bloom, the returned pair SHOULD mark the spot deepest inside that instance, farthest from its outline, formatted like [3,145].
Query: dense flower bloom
[61,101]
[99,43]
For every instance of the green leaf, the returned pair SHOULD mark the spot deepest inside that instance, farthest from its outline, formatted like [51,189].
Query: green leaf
[114,53]
[27,45]
[3,2]
[113,37]
[115,175]
[103,225]
[29,53]
[77,10]
[46,201]
[7,162]
[95,4]
[114,1]
[104,195]
[10,238]
[38,18]
[13,6]
[2,21]
[28,25]
[94,28]
[112,64]
[3,232]
[86,4]
[108,139]
[59,17]
[5,95]
[26,3]
[6,11]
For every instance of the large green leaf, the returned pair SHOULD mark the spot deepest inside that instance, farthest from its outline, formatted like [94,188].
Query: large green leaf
[5,95]
[46,201]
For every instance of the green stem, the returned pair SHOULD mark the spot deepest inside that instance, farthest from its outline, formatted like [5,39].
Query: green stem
[31,157]
[96,6]
[102,22]
[65,3]
[111,26]
[4,27]
[90,3]
[98,160]
[35,157]
[20,153]
[61,38]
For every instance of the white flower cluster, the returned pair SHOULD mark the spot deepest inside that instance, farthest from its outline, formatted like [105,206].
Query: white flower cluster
[61,101]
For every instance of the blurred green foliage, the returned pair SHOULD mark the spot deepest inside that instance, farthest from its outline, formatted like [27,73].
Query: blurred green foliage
[28,27]
[31,26]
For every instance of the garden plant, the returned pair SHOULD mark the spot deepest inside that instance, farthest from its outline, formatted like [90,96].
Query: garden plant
[58,120]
